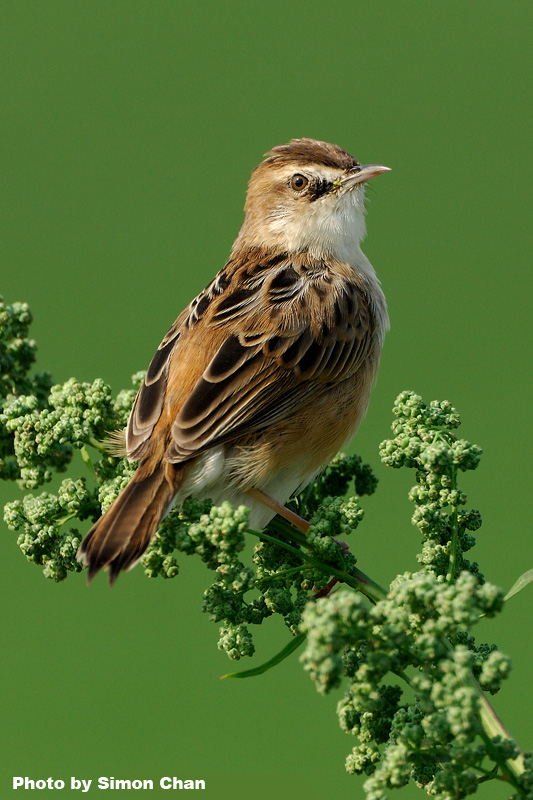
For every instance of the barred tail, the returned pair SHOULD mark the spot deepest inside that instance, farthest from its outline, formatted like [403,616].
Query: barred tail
[120,537]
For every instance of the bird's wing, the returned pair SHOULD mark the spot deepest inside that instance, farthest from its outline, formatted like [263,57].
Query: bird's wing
[249,350]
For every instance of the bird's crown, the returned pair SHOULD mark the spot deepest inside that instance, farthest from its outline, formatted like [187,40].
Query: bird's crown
[310,151]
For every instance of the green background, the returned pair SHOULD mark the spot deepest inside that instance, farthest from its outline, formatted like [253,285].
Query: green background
[128,133]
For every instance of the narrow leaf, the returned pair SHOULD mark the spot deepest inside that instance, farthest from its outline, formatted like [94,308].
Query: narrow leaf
[520,584]
[293,645]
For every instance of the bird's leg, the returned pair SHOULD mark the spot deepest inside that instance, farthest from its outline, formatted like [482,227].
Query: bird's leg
[324,592]
[329,586]
[301,524]
[290,516]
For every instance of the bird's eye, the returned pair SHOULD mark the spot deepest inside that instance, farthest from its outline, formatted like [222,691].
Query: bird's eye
[299,182]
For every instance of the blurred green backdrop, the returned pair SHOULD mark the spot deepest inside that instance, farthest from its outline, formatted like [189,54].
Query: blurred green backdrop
[128,133]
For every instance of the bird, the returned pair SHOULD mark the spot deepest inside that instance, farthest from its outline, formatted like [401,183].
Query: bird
[267,373]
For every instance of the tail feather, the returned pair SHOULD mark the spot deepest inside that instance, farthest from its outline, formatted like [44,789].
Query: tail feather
[120,537]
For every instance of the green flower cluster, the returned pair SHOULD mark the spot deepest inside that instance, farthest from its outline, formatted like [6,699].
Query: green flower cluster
[425,441]
[41,427]
[335,482]
[433,739]
[17,355]
[284,571]
[44,438]
[42,520]
[419,636]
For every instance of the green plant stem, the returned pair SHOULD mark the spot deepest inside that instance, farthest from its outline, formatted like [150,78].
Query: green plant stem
[358,580]
[284,573]
[491,726]
[282,526]
[97,445]
[65,519]
[87,459]
[488,774]
[509,773]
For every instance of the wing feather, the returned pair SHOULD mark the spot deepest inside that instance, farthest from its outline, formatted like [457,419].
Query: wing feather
[150,399]
[258,343]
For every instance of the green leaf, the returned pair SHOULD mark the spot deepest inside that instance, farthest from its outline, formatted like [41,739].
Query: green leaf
[293,645]
[520,584]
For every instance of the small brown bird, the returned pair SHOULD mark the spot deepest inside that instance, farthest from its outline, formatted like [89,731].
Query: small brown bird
[268,372]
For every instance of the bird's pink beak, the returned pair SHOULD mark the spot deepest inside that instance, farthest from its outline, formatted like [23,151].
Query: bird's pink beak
[361,174]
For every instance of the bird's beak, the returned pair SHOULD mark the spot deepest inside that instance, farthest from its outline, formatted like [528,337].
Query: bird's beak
[359,175]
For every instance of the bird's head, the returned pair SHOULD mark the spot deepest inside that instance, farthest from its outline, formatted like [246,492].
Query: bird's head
[308,195]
